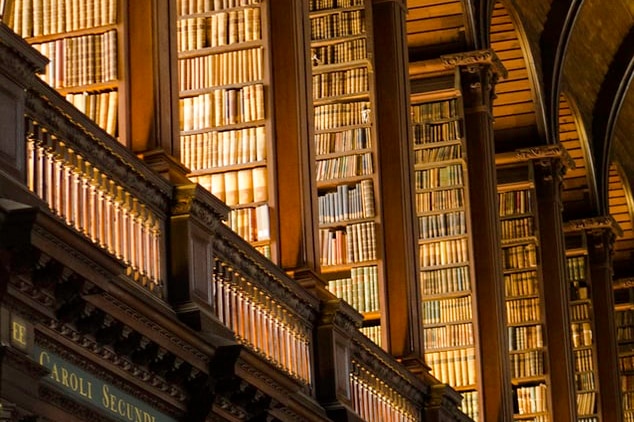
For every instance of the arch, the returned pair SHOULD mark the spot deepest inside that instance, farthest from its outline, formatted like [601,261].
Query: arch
[610,98]
[559,26]
[620,206]
[579,193]
[518,106]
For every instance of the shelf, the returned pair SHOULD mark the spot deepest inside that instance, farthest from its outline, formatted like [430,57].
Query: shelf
[324,68]
[447,295]
[345,223]
[235,126]
[438,144]
[328,269]
[186,93]
[95,30]
[434,164]
[207,51]
[336,99]
[334,10]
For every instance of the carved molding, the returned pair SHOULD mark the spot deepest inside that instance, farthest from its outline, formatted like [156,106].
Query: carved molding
[50,395]
[546,152]
[194,200]
[623,283]
[475,59]
[339,313]
[594,223]
[18,59]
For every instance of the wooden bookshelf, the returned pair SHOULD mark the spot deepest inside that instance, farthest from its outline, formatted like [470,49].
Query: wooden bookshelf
[524,293]
[84,41]
[223,64]
[346,161]
[624,318]
[582,327]
[444,245]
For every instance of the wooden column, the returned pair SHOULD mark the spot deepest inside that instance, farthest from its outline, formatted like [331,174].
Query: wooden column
[600,243]
[479,71]
[559,365]
[404,330]
[150,116]
[290,82]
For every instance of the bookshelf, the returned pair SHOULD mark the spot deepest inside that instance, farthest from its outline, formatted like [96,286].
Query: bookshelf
[83,39]
[444,245]
[582,328]
[225,115]
[346,161]
[523,291]
[624,318]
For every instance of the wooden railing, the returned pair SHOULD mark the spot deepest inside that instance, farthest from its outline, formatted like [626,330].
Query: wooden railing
[268,311]
[87,199]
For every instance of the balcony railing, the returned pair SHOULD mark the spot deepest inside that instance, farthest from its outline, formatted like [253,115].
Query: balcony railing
[87,199]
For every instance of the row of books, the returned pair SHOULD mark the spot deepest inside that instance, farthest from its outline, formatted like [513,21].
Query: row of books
[586,403]
[627,382]
[341,52]
[436,154]
[454,367]
[584,381]
[252,223]
[193,7]
[524,283]
[517,228]
[219,29]
[431,133]
[214,149]
[452,223]
[346,23]
[222,107]
[372,332]
[625,333]
[532,399]
[342,141]
[522,310]
[344,166]
[83,60]
[434,111]
[347,203]
[447,310]
[214,70]
[352,244]
[444,280]
[520,256]
[470,405]
[332,116]
[315,5]
[624,318]
[237,187]
[579,290]
[34,18]
[360,290]
[340,82]
[445,336]
[527,363]
[626,362]
[515,202]
[583,360]
[525,337]
[439,200]
[580,311]
[445,252]
[576,268]
[438,177]
[102,107]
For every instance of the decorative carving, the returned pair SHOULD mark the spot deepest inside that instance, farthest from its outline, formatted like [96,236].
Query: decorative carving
[475,59]
[594,223]
[19,60]
[546,152]
[342,315]
[192,199]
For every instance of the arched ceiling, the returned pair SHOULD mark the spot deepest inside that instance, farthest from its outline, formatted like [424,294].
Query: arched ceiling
[583,49]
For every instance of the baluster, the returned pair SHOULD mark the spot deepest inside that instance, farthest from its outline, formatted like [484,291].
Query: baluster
[156,252]
[77,192]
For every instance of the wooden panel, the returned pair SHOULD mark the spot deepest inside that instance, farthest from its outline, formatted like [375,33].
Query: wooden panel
[433,11]
[435,24]
[434,38]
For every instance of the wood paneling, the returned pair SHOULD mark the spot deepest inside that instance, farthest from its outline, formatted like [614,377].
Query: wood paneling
[434,22]
[618,193]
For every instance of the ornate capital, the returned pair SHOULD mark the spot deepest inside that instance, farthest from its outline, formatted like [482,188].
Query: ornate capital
[602,223]
[338,312]
[473,60]
[546,153]
[199,203]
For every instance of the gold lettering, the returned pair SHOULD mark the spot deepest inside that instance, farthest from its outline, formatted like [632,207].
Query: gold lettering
[55,373]
[113,399]
[85,392]
[139,415]
[119,407]
[74,381]
[19,333]
[65,377]
[105,396]
[44,358]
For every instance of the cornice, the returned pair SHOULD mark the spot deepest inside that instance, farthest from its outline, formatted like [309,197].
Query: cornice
[339,313]
[18,60]
[475,58]
[198,202]
[536,153]
[623,283]
[594,223]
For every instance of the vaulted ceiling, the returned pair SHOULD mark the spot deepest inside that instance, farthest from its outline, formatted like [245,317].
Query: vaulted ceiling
[570,79]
